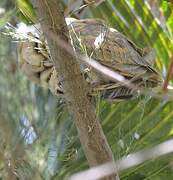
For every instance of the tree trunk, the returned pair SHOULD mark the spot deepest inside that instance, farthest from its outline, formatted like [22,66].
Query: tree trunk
[94,143]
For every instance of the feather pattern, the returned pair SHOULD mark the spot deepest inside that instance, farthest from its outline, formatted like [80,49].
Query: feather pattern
[105,45]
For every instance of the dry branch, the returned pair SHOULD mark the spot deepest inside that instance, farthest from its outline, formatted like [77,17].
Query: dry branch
[126,162]
[94,143]
[168,76]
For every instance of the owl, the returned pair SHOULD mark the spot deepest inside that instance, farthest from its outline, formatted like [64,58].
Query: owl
[106,46]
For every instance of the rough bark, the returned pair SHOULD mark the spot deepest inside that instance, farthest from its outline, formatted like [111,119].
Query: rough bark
[94,143]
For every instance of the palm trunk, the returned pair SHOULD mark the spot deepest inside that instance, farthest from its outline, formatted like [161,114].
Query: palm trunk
[94,143]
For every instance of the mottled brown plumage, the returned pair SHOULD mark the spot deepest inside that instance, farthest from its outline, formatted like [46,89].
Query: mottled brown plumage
[105,45]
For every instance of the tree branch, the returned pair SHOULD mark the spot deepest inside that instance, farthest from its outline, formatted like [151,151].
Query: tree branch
[168,76]
[94,143]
